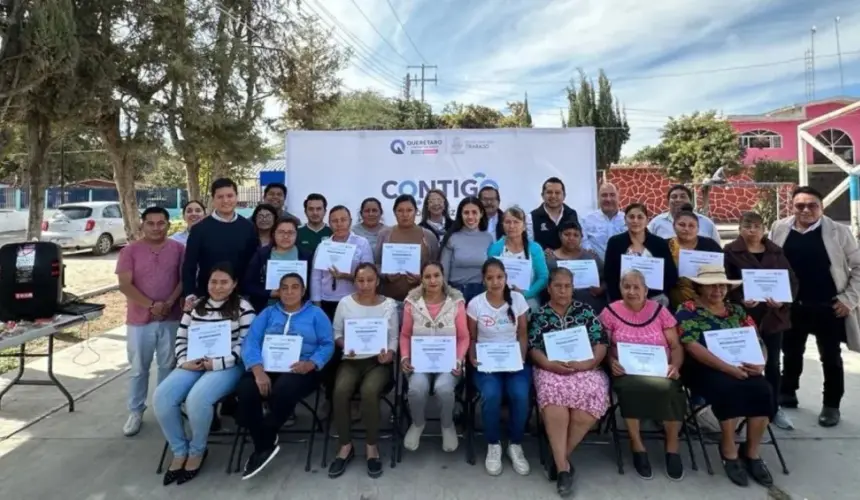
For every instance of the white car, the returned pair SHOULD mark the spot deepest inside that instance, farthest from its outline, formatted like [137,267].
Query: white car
[95,225]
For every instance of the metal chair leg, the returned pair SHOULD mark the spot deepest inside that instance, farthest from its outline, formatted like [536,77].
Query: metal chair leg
[778,451]
[161,460]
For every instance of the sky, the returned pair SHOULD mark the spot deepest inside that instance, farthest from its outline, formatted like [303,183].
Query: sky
[664,57]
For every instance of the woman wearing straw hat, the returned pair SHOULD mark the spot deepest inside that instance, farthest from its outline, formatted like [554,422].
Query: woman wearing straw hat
[733,391]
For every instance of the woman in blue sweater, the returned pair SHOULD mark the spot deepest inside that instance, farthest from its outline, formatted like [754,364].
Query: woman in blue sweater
[515,245]
[281,389]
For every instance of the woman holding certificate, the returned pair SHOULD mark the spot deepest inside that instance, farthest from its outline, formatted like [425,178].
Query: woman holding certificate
[366,331]
[260,284]
[568,345]
[640,249]
[725,366]
[645,359]
[464,248]
[406,237]
[499,332]
[208,353]
[287,347]
[530,277]
[434,340]
[586,266]
[687,240]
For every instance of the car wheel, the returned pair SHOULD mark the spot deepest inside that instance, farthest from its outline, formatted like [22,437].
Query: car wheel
[103,245]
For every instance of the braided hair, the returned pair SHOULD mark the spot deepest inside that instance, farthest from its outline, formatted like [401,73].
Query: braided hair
[509,299]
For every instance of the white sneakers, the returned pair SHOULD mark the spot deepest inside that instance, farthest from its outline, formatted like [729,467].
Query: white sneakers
[493,463]
[412,440]
[450,441]
[132,425]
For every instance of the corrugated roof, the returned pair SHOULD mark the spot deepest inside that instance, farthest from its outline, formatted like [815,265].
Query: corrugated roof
[269,166]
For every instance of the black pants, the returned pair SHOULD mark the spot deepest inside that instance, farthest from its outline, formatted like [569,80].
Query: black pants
[773,346]
[286,392]
[329,371]
[829,334]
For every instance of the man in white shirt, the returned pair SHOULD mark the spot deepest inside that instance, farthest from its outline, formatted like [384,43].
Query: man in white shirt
[663,224]
[600,225]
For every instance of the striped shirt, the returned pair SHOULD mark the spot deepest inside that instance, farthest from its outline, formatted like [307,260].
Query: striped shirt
[239,329]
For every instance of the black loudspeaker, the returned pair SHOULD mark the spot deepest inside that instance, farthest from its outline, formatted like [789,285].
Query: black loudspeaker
[31,280]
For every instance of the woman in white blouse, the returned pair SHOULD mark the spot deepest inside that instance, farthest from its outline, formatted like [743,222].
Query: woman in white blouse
[367,373]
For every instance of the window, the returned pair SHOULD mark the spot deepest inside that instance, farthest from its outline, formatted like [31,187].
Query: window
[112,212]
[71,212]
[761,139]
[838,142]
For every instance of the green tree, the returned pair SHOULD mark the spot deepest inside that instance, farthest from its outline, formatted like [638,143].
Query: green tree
[457,115]
[595,107]
[518,115]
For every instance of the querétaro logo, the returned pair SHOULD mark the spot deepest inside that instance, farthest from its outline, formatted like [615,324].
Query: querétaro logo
[453,188]
[398,147]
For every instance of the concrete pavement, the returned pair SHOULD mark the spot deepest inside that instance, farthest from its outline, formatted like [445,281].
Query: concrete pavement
[83,455]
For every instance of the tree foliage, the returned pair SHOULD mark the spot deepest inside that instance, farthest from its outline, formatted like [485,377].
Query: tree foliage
[595,107]
[368,110]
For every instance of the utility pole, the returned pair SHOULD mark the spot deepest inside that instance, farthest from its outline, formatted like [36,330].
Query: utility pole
[423,79]
[839,57]
[812,55]
[407,87]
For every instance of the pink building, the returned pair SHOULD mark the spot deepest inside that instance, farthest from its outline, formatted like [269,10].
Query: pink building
[773,135]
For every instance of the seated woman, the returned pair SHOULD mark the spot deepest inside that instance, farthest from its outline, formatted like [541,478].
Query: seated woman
[570,233]
[200,383]
[732,391]
[369,373]
[571,395]
[282,387]
[635,319]
[686,225]
[499,315]
[433,309]
[283,247]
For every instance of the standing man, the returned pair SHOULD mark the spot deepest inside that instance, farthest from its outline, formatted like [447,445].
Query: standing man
[491,199]
[663,225]
[149,271]
[311,234]
[546,218]
[275,194]
[826,259]
[224,236]
[602,224]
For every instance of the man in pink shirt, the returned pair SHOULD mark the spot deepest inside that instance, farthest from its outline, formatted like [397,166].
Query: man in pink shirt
[150,276]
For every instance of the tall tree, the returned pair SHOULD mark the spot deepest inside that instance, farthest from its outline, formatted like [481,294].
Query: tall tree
[595,107]
[518,115]
[457,115]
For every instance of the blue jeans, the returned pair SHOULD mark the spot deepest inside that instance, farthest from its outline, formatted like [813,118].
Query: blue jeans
[143,342]
[470,290]
[200,391]
[493,387]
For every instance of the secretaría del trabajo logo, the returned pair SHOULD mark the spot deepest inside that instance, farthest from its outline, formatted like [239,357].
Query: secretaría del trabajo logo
[453,188]
[398,147]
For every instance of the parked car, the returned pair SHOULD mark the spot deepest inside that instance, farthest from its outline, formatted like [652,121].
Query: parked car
[95,225]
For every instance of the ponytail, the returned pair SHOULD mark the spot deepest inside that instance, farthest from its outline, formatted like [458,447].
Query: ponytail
[526,243]
[510,300]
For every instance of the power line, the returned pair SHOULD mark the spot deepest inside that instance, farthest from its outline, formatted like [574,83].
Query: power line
[411,41]
[377,31]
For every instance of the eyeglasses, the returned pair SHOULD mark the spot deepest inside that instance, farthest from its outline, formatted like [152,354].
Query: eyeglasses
[285,233]
[800,207]
[265,215]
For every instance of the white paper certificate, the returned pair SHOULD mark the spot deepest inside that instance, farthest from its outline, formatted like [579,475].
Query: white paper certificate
[401,258]
[519,272]
[365,336]
[735,345]
[571,344]
[650,267]
[584,272]
[499,356]
[434,354]
[761,284]
[643,359]
[690,260]
[209,340]
[334,254]
[277,269]
[280,352]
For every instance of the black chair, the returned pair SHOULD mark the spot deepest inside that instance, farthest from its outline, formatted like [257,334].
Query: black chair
[309,433]
[392,429]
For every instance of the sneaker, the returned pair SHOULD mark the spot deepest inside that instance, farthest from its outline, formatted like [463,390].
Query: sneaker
[674,467]
[708,421]
[788,400]
[413,437]
[518,459]
[450,440]
[258,461]
[782,421]
[132,424]
[564,483]
[493,463]
[642,465]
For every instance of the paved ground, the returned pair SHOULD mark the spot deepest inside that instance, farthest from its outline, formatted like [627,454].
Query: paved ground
[82,455]
[84,271]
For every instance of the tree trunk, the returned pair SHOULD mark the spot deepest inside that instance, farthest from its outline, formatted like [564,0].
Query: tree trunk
[123,173]
[192,175]
[38,139]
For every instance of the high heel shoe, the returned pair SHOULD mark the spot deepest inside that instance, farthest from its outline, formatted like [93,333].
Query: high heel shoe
[171,476]
[188,475]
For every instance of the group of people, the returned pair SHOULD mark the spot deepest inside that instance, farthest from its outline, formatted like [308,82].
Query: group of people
[216,271]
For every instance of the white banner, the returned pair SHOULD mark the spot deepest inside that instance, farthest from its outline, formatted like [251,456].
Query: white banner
[348,166]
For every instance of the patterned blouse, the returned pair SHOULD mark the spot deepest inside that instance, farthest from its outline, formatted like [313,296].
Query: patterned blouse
[546,320]
[694,320]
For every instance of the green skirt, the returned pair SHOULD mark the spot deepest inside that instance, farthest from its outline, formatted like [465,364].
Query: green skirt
[650,398]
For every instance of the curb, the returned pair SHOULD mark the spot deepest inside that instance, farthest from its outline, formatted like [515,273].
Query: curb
[98,291]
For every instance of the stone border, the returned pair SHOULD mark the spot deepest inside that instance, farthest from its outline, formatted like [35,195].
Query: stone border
[98,291]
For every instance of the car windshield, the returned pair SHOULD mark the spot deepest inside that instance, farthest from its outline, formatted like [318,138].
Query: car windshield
[73,213]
